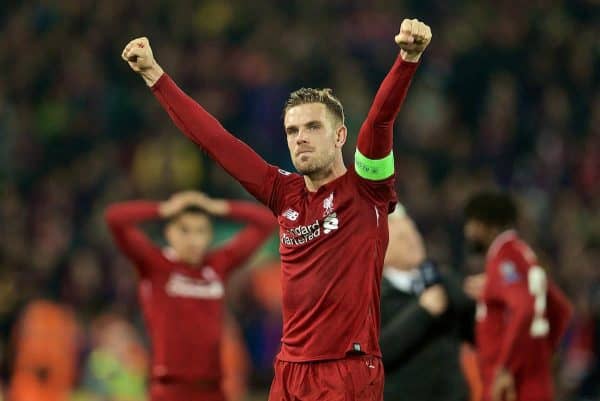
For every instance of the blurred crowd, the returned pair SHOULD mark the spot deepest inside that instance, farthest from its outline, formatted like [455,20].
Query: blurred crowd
[508,95]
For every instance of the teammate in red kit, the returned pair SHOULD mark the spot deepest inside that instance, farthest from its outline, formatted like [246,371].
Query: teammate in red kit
[333,221]
[182,286]
[521,314]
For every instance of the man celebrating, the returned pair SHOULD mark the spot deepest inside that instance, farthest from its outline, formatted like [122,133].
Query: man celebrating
[521,314]
[182,286]
[425,317]
[333,225]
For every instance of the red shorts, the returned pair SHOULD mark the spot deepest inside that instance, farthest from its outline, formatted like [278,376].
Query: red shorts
[354,378]
[173,390]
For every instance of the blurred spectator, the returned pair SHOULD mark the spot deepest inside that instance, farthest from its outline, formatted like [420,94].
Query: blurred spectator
[116,368]
[425,317]
[45,353]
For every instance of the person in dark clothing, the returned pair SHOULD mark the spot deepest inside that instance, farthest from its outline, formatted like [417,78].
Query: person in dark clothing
[425,316]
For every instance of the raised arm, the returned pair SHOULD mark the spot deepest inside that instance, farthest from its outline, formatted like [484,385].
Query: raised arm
[374,159]
[234,156]
[260,224]
[259,220]
[122,219]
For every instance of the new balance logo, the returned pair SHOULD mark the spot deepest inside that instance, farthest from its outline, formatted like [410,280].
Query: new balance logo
[291,214]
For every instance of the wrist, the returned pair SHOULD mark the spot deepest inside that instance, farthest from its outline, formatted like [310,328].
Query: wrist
[152,75]
[410,57]
[163,210]
[221,208]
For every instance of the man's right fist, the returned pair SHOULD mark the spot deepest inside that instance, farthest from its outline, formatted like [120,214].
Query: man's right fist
[138,55]
[413,38]
[434,300]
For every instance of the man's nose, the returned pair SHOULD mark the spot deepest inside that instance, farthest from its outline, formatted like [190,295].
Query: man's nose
[301,137]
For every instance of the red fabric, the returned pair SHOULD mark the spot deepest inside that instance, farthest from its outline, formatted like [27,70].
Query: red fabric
[349,379]
[233,155]
[180,391]
[505,316]
[332,242]
[376,135]
[183,304]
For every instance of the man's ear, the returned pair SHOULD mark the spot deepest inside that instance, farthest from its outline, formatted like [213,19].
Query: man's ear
[341,134]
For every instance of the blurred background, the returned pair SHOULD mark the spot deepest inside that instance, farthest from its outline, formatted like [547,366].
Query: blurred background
[507,95]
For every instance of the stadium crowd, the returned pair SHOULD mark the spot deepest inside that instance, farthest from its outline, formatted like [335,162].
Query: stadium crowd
[508,95]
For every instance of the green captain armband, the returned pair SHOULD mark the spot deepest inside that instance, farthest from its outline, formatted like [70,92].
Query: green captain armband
[374,170]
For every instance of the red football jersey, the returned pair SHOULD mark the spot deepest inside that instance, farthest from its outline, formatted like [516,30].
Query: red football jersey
[183,304]
[332,244]
[520,319]
[332,241]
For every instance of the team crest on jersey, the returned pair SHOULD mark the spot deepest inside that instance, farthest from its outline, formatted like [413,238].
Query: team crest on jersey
[328,205]
[291,214]
[509,272]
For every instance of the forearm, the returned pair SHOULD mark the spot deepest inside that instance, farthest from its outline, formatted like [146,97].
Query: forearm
[376,134]
[519,326]
[122,219]
[131,213]
[252,213]
[234,156]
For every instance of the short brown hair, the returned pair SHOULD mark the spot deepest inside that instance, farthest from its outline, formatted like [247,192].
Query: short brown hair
[312,95]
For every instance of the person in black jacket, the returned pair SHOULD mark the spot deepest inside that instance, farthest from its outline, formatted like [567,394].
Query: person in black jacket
[425,316]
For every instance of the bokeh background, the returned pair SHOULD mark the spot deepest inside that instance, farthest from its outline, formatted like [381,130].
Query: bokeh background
[507,95]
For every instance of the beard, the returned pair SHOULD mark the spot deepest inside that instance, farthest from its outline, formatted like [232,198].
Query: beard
[316,165]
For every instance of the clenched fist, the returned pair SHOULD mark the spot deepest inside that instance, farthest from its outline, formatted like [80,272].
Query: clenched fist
[413,38]
[435,300]
[138,55]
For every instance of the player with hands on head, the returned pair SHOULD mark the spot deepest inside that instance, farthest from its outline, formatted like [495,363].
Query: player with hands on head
[181,287]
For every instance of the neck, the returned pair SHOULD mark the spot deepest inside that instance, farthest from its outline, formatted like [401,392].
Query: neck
[172,255]
[318,179]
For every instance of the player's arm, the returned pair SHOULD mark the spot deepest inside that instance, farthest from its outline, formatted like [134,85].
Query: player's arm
[234,156]
[259,225]
[259,221]
[560,313]
[518,299]
[374,159]
[123,219]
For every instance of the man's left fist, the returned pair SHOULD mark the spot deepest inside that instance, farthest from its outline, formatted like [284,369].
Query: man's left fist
[413,38]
